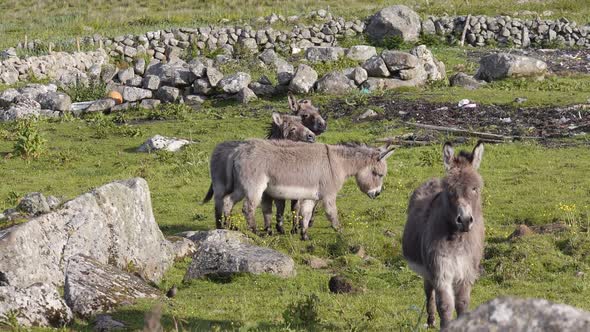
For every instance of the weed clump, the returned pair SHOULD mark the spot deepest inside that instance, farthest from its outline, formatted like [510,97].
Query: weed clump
[29,142]
[303,313]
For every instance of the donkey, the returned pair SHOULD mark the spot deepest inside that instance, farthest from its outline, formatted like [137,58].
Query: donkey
[309,114]
[444,235]
[301,171]
[283,127]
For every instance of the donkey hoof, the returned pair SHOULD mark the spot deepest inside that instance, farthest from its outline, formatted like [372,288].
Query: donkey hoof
[294,231]
[280,229]
[305,237]
[268,231]
[431,321]
[310,223]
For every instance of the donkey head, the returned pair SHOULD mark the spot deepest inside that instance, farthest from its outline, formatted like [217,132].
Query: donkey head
[462,186]
[370,178]
[292,129]
[310,116]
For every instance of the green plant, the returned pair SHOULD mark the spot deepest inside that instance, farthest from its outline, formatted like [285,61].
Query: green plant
[430,40]
[10,320]
[86,92]
[303,313]
[29,142]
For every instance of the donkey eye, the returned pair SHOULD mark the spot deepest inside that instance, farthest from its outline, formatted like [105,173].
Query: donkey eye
[475,189]
[304,116]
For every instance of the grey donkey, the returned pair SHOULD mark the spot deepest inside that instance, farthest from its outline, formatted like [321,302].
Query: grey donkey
[444,235]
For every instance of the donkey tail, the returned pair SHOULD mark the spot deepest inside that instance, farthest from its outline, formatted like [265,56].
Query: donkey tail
[209,194]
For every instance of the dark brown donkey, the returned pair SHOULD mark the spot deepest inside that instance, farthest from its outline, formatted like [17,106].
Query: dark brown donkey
[444,234]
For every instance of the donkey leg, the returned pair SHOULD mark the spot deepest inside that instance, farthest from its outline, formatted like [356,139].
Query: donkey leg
[266,205]
[313,214]
[297,217]
[280,205]
[445,303]
[332,212]
[462,298]
[430,303]
[253,198]
[218,212]
[306,208]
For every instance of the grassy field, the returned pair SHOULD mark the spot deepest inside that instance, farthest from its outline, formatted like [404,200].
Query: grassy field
[525,183]
[60,20]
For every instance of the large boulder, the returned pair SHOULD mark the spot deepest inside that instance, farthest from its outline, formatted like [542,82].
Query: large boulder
[112,224]
[234,83]
[503,65]
[376,67]
[335,83]
[37,305]
[374,84]
[522,315]
[24,107]
[394,21]
[303,80]
[361,52]
[56,101]
[223,252]
[7,97]
[134,94]
[167,94]
[92,287]
[397,60]
[466,81]
[173,74]
[434,68]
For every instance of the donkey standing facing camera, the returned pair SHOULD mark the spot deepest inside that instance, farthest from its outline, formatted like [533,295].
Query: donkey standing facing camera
[444,235]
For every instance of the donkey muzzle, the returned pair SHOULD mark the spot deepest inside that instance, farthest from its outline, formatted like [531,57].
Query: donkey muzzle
[374,193]
[310,138]
[464,222]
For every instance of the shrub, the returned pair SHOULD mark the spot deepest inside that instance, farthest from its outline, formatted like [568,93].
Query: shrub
[29,142]
[82,92]
[303,313]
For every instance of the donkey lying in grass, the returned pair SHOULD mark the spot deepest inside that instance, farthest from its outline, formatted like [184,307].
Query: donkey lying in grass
[283,127]
[300,171]
[444,234]
[309,114]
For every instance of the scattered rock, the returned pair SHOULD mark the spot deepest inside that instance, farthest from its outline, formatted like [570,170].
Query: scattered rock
[223,252]
[24,107]
[262,89]
[435,69]
[167,94]
[126,74]
[358,75]
[151,82]
[37,305]
[134,94]
[335,83]
[159,142]
[106,323]
[34,204]
[396,60]
[340,285]
[520,100]
[235,83]
[150,104]
[502,65]
[465,81]
[202,86]
[376,67]
[317,263]
[303,80]
[367,114]
[321,53]
[101,105]
[7,97]
[194,101]
[213,75]
[513,314]
[92,287]
[55,101]
[361,52]
[245,96]
[394,21]
[172,291]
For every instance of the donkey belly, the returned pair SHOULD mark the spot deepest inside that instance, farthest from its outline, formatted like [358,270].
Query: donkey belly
[292,192]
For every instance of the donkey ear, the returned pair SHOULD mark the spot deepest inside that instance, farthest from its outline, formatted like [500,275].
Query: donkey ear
[477,155]
[277,119]
[386,154]
[448,155]
[293,105]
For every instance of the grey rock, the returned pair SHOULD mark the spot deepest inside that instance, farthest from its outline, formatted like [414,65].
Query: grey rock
[125,74]
[264,80]
[376,67]
[416,73]
[358,75]
[248,45]
[202,86]
[34,90]
[198,68]
[53,202]
[303,80]
[361,52]
[37,305]
[503,65]
[113,224]
[94,72]
[214,76]
[92,287]
[319,54]
[159,142]
[434,68]
[136,81]
[520,315]
[367,114]
[9,76]
[167,94]
[108,72]
[235,83]
[150,104]
[34,204]
[106,323]
[466,81]
[25,107]
[428,27]
[262,89]
[139,67]
[268,57]
[135,94]
[194,101]
[373,83]
[122,107]
[7,97]
[396,60]
[245,96]
[223,252]
[56,101]
[285,72]
[394,21]
[173,74]
[335,83]
[101,105]
[151,82]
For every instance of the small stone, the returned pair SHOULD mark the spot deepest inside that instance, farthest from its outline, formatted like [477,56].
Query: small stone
[317,263]
[303,80]
[56,101]
[376,67]
[125,74]
[463,102]
[159,142]
[367,114]
[172,291]
[235,83]
[214,76]
[506,120]
[167,94]
[105,323]
[135,94]
[361,52]
[101,105]
[521,231]
[150,104]
[34,204]
[520,100]
[245,96]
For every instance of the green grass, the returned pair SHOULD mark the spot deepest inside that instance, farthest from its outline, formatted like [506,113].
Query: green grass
[59,21]
[525,183]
